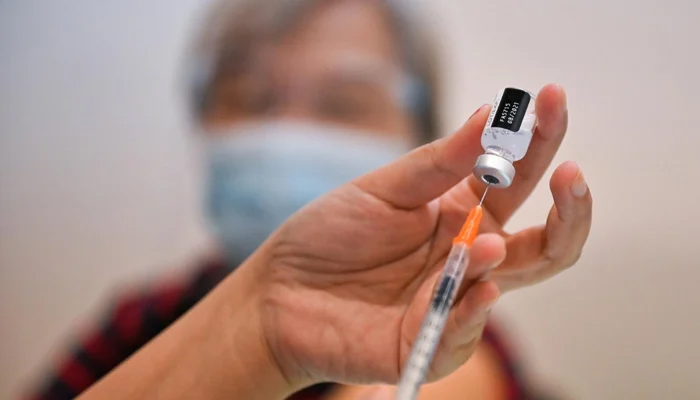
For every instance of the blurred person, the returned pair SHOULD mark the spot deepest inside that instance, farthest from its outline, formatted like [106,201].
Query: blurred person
[293,99]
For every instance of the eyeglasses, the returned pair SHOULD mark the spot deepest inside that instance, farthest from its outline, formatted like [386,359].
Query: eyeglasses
[362,98]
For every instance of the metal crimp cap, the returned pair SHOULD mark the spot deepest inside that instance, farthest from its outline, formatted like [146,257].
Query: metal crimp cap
[494,170]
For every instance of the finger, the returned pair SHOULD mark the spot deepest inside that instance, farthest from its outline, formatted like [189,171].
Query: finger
[538,253]
[552,119]
[383,392]
[487,251]
[471,310]
[572,213]
[465,325]
[430,170]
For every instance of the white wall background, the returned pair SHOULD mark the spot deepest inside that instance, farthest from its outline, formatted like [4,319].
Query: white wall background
[96,188]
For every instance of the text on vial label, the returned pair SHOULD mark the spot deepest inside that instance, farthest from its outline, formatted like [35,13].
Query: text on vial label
[511,109]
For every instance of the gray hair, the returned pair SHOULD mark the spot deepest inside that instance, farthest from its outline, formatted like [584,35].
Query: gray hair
[232,27]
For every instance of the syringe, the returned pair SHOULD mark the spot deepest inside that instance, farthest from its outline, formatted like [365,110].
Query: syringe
[505,139]
[418,364]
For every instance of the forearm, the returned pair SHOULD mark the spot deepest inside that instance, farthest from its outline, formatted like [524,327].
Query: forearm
[215,351]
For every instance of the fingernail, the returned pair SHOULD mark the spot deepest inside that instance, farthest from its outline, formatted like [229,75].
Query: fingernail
[579,188]
[563,106]
[477,111]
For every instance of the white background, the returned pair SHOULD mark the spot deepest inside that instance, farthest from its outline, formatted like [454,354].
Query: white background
[97,189]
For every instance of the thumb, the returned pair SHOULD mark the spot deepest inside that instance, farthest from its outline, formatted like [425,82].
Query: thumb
[430,170]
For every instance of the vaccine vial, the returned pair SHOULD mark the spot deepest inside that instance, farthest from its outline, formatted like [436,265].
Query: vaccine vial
[506,136]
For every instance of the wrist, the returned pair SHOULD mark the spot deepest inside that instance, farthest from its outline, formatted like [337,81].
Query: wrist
[216,351]
[254,367]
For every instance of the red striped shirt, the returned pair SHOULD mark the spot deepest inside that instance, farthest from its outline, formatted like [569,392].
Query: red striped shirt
[138,318]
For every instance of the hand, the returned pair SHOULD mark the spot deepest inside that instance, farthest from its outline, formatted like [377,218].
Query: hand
[346,281]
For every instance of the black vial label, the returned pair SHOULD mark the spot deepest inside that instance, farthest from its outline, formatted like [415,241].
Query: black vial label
[443,293]
[511,110]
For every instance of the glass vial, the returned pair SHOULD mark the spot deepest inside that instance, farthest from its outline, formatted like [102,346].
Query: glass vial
[506,136]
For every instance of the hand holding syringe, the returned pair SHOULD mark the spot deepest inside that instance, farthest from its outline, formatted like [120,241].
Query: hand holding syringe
[506,137]
[345,278]
[438,311]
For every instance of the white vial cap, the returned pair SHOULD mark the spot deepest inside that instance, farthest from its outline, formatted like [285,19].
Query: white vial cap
[494,170]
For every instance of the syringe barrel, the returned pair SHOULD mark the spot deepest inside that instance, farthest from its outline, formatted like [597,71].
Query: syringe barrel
[450,278]
[421,356]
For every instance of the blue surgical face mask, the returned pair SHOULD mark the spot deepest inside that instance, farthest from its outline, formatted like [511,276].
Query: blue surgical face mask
[260,174]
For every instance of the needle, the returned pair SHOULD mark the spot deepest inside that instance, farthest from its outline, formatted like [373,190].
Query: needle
[484,195]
